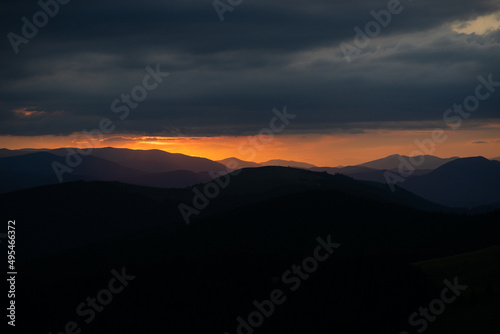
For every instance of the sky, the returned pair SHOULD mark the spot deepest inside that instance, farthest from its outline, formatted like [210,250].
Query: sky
[359,88]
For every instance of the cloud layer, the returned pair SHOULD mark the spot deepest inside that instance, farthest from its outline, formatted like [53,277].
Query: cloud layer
[225,77]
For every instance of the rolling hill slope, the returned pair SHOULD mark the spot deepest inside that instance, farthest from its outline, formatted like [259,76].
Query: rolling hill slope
[466,182]
[393,161]
[152,161]
[222,262]
[36,169]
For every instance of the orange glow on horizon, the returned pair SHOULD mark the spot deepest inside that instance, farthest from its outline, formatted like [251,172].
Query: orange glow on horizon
[317,149]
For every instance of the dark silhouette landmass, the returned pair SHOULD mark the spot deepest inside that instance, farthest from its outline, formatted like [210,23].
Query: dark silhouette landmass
[392,162]
[36,169]
[201,277]
[287,163]
[466,182]
[236,163]
[121,209]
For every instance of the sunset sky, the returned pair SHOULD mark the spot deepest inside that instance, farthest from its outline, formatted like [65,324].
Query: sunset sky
[225,78]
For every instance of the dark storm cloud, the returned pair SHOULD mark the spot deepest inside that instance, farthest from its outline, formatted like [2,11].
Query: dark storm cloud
[227,76]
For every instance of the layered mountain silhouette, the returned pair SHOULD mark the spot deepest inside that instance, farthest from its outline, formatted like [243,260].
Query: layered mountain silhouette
[393,161]
[369,171]
[12,153]
[454,182]
[460,182]
[229,162]
[466,182]
[249,232]
[251,188]
[153,161]
[363,173]
[286,163]
[255,184]
[232,162]
[217,266]
[35,169]
[248,187]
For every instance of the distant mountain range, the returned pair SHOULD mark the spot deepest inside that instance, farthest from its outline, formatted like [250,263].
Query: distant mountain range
[276,162]
[232,162]
[375,170]
[287,163]
[4,153]
[146,168]
[466,182]
[237,248]
[393,161]
[154,161]
[460,182]
[452,182]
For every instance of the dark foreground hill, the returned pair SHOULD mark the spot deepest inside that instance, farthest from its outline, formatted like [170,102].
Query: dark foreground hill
[203,276]
[252,184]
[479,270]
[243,188]
[364,173]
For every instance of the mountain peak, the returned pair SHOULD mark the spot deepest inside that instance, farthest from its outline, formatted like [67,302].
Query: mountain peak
[287,163]
[393,161]
[464,182]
